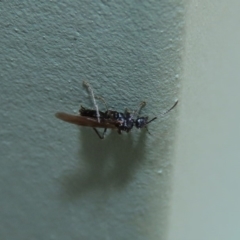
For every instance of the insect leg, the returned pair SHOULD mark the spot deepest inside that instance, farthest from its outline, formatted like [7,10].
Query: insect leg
[93,98]
[127,111]
[141,105]
[147,130]
[103,134]
[103,100]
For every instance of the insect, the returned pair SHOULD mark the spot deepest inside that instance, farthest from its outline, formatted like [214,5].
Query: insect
[109,119]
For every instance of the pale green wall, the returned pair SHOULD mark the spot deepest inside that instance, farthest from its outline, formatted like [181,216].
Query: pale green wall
[58,181]
[205,202]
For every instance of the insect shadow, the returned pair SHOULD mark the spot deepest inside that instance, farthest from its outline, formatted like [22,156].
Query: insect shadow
[105,165]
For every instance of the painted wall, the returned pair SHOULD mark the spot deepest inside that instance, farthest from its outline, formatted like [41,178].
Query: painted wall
[205,201]
[59,181]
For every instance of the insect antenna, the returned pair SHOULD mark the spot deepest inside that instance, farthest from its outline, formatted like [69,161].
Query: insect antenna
[151,120]
[174,105]
[148,123]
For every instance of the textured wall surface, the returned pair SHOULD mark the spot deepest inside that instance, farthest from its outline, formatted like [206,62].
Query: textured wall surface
[59,181]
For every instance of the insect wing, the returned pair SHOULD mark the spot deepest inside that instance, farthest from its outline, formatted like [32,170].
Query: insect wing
[86,121]
[90,113]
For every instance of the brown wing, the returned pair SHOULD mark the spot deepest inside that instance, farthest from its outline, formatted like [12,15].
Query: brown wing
[86,121]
